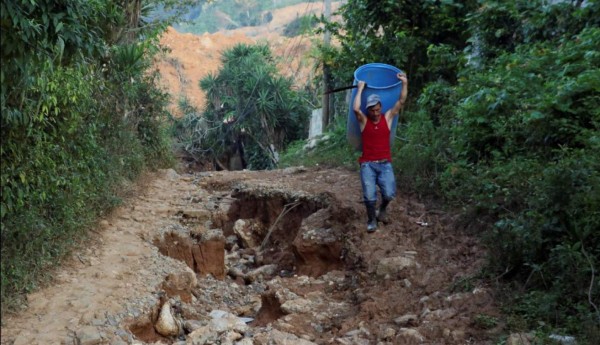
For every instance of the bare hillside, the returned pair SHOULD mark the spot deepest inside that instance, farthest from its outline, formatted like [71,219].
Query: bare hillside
[192,57]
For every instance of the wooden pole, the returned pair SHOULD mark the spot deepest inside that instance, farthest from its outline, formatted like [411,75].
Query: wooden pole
[326,75]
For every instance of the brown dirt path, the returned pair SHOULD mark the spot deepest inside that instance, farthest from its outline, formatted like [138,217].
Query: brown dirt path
[114,276]
[105,288]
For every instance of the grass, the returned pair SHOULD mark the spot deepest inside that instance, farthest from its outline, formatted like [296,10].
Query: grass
[329,150]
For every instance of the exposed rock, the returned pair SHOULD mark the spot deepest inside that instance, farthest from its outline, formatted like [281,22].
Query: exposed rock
[275,337]
[89,335]
[223,328]
[410,336]
[299,305]
[519,339]
[201,336]
[441,314]
[406,320]
[482,296]
[261,273]
[248,230]
[166,324]
[393,266]
[317,246]
[282,294]
[224,321]
[387,333]
[455,300]
[191,325]
[563,339]
[180,284]
[353,340]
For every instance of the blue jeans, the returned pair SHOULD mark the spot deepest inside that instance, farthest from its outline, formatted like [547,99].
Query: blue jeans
[377,174]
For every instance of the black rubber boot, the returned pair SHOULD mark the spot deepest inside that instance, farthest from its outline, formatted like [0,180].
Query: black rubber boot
[371,217]
[381,212]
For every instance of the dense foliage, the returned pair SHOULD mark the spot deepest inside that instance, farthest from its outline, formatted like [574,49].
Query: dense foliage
[80,116]
[399,33]
[523,144]
[252,112]
[505,123]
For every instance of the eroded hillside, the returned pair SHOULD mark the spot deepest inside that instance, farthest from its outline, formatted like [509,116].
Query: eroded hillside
[192,57]
[269,257]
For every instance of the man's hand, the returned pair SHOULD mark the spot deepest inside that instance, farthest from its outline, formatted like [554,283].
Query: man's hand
[402,77]
[361,85]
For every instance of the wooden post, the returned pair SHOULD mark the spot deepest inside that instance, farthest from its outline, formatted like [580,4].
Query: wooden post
[326,75]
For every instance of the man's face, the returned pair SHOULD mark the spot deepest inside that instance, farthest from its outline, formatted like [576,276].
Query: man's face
[374,112]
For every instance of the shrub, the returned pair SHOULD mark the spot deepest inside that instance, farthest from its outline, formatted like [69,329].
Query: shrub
[76,125]
[522,143]
[251,111]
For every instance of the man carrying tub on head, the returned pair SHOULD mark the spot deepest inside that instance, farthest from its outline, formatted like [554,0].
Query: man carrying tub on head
[376,159]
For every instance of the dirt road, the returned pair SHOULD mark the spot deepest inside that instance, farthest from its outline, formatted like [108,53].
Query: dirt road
[282,255]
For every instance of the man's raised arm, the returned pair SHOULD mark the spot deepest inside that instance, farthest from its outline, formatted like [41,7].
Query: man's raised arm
[360,116]
[400,102]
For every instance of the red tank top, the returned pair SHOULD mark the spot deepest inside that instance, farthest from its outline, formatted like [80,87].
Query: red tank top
[375,142]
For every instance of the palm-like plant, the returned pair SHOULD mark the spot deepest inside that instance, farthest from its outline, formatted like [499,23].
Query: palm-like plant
[250,108]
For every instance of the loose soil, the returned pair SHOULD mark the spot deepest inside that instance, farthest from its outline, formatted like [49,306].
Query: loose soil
[409,282]
[284,251]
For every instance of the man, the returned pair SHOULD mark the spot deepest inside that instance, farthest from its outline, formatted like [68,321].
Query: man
[376,159]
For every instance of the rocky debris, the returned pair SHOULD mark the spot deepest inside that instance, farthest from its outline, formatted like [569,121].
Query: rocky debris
[276,337]
[249,232]
[396,266]
[519,339]
[89,335]
[223,328]
[563,339]
[315,296]
[318,280]
[202,250]
[317,245]
[410,336]
[406,320]
[180,284]
[167,323]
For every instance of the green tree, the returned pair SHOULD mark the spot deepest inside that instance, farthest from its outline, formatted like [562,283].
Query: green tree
[522,139]
[518,135]
[81,113]
[250,109]
[398,33]
[501,26]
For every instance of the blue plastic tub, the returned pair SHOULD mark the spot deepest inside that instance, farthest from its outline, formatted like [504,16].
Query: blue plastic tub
[381,79]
